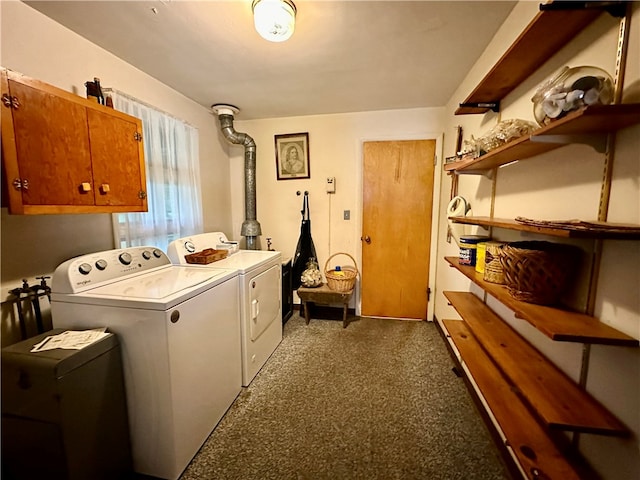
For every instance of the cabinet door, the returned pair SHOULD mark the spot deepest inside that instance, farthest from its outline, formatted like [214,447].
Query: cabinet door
[52,158]
[117,159]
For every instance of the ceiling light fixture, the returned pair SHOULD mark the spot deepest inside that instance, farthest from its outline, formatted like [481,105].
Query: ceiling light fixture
[274,20]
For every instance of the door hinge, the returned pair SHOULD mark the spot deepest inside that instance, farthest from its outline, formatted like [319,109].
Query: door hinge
[137,137]
[428,294]
[20,184]
[10,102]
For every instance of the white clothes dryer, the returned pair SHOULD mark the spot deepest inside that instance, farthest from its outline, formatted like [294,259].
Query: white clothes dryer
[179,331]
[260,275]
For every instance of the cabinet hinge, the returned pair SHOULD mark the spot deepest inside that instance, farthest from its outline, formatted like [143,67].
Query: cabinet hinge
[19,184]
[10,102]
[142,194]
[137,137]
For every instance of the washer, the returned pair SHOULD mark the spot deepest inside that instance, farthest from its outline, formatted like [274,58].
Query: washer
[179,331]
[260,274]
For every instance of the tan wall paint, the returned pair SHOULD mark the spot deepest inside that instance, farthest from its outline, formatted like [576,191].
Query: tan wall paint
[561,184]
[335,143]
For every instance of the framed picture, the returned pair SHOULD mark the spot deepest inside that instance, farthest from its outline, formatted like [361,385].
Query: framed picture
[292,156]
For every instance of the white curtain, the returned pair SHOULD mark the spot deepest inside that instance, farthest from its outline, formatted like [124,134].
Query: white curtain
[173,180]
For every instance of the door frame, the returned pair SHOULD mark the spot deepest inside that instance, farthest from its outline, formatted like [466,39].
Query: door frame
[437,185]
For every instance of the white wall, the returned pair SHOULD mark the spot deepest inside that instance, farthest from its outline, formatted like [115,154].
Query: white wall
[335,150]
[565,184]
[38,47]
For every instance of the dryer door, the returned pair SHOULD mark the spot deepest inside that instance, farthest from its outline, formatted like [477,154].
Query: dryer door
[264,302]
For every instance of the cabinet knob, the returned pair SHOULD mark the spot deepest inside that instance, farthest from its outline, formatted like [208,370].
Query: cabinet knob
[85,187]
[104,188]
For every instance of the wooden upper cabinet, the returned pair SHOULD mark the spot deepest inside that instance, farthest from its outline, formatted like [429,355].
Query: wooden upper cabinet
[62,153]
[115,153]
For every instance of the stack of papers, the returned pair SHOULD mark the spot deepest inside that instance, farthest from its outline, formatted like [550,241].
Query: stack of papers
[71,340]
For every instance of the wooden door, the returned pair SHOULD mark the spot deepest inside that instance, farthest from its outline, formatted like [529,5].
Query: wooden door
[396,227]
[117,158]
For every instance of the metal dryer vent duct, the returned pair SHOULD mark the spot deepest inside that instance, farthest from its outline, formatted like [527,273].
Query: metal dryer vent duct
[250,227]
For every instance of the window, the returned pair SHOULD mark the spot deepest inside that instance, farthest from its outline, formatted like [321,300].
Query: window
[173,180]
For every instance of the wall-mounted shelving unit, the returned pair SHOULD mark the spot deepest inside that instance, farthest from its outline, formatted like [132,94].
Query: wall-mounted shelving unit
[555,323]
[593,230]
[527,397]
[589,125]
[547,33]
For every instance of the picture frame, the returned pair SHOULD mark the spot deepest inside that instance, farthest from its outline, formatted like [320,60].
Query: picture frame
[292,156]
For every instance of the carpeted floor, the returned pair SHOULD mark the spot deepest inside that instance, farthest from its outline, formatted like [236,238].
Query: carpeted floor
[377,400]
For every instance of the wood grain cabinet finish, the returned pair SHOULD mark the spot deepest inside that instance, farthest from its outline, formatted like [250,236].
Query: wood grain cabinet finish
[62,153]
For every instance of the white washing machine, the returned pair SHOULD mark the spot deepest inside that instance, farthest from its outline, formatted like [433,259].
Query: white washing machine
[260,274]
[179,331]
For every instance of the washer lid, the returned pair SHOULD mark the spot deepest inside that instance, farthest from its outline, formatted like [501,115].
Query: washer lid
[161,284]
[157,290]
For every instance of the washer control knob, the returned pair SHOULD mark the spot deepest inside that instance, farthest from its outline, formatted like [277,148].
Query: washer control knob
[101,264]
[146,255]
[125,258]
[84,268]
[157,253]
[189,246]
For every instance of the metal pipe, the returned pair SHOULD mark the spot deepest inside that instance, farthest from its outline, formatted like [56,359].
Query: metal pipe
[250,227]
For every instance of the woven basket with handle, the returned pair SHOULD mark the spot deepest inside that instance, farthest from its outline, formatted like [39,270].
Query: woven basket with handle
[537,271]
[342,280]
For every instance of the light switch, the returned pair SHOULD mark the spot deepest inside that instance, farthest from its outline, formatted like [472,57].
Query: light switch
[347,215]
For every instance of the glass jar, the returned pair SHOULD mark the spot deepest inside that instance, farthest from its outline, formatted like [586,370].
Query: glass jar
[571,89]
[311,277]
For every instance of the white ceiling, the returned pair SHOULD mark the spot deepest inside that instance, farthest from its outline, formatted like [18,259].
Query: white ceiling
[345,56]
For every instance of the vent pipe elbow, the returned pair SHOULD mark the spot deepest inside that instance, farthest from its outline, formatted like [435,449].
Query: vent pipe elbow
[251,229]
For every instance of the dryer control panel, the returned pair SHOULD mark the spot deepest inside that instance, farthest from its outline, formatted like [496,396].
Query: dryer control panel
[87,271]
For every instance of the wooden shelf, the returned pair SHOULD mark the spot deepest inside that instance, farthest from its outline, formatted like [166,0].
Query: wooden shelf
[557,324]
[624,232]
[522,432]
[547,33]
[589,121]
[556,400]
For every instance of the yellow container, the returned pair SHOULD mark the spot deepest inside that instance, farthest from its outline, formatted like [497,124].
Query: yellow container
[481,249]
[493,271]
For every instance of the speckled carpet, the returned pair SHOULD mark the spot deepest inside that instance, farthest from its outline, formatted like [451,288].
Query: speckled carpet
[377,400]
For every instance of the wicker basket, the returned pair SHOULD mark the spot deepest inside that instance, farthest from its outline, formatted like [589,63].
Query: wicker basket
[345,279]
[206,256]
[538,272]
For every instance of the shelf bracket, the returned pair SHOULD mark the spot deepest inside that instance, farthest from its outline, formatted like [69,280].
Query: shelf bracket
[597,141]
[493,106]
[485,173]
[615,9]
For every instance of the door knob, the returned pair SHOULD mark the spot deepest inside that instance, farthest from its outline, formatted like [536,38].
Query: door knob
[366,239]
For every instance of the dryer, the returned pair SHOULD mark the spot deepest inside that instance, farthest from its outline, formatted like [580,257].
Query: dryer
[179,331]
[260,282]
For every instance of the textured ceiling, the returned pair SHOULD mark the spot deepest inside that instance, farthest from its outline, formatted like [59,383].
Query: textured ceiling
[345,56]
